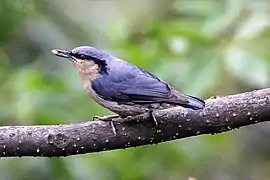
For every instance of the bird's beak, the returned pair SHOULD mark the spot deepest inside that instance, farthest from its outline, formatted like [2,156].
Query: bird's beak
[62,53]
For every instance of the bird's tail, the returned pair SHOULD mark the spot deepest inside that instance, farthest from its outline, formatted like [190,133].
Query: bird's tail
[194,103]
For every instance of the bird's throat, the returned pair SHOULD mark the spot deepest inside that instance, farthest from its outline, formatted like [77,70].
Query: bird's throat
[88,70]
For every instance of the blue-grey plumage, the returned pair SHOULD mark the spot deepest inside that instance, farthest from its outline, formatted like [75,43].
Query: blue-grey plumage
[122,87]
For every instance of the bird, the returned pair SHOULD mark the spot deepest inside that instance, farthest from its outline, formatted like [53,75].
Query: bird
[122,87]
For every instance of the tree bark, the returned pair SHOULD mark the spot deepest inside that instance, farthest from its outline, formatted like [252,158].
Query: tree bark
[220,114]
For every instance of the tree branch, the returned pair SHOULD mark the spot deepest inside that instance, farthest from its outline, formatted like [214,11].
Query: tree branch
[221,114]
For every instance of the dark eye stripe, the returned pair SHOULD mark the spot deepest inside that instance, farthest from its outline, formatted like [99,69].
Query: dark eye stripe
[87,57]
[79,56]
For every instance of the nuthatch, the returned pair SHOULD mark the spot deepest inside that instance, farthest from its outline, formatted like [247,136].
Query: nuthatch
[122,87]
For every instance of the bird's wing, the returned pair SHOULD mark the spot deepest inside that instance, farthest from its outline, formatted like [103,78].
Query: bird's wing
[132,84]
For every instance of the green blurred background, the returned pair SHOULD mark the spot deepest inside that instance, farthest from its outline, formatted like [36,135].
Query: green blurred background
[202,47]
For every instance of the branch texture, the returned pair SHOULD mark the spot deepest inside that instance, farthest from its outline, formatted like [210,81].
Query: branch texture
[221,114]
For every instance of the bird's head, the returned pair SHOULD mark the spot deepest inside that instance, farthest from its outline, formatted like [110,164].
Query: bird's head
[85,57]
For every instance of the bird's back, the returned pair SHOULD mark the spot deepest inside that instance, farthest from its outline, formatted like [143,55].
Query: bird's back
[124,82]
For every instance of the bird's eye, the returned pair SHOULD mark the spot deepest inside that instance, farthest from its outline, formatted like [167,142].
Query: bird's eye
[82,56]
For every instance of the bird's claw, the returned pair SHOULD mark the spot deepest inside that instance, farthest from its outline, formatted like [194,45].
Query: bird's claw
[152,115]
[214,97]
[105,118]
[108,119]
[96,118]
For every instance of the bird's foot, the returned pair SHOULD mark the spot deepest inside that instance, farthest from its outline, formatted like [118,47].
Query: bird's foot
[152,115]
[105,118]
[108,119]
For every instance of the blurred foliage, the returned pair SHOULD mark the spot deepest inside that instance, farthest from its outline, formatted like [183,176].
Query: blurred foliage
[202,47]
